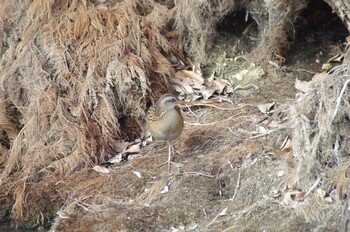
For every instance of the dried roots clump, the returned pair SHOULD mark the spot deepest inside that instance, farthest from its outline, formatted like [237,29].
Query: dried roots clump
[197,21]
[75,77]
[321,136]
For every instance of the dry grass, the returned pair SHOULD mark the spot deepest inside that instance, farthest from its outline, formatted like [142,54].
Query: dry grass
[75,78]
[197,20]
[321,141]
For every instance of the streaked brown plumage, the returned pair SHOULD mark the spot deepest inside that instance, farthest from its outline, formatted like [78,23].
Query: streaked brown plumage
[165,121]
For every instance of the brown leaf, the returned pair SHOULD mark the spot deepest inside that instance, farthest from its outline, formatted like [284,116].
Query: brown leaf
[135,148]
[101,169]
[183,74]
[266,108]
[348,39]
[220,85]
[302,85]
[286,145]
[182,87]
[298,196]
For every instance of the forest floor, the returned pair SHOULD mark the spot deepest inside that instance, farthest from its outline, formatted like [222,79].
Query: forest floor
[229,164]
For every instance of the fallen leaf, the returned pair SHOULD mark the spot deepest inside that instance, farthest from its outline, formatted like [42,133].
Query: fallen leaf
[181,86]
[329,200]
[165,189]
[207,92]
[286,144]
[319,77]
[288,198]
[347,38]
[183,74]
[326,66]
[262,130]
[120,146]
[101,169]
[223,212]
[116,159]
[337,58]
[220,85]
[301,85]
[138,174]
[280,173]
[299,196]
[135,148]
[266,108]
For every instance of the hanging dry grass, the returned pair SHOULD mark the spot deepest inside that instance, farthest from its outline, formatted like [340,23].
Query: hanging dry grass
[321,137]
[75,77]
[197,21]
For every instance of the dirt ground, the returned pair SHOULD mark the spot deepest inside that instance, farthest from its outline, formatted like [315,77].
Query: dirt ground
[228,164]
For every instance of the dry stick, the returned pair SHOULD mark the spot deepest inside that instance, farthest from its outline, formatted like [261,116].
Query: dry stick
[339,98]
[197,174]
[237,186]
[239,87]
[307,71]
[312,187]
[222,213]
[221,108]
[261,135]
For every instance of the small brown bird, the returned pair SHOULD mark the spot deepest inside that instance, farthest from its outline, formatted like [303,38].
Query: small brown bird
[165,121]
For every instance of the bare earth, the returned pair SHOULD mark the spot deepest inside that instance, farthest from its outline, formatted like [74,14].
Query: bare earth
[228,166]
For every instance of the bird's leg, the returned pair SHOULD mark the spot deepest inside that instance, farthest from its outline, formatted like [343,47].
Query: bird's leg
[170,155]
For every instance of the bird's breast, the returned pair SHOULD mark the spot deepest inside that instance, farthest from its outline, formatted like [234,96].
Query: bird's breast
[167,127]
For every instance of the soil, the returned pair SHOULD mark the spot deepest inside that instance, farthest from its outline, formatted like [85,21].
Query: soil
[225,170]
[227,166]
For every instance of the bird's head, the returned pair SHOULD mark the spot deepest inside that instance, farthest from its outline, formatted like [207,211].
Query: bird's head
[169,101]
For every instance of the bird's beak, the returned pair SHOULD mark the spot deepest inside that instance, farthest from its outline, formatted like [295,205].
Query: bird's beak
[178,102]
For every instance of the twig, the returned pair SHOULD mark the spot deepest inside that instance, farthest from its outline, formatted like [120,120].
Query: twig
[237,186]
[197,174]
[307,71]
[220,108]
[339,98]
[261,135]
[312,188]
[245,87]
[222,213]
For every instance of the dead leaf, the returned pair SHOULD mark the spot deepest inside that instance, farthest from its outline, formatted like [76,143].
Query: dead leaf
[116,159]
[207,92]
[286,145]
[262,130]
[220,85]
[280,173]
[299,196]
[183,74]
[121,146]
[305,86]
[165,189]
[288,198]
[223,212]
[302,85]
[326,66]
[347,38]
[266,108]
[337,58]
[101,169]
[138,174]
[135,148]
[182,87]
[319,77]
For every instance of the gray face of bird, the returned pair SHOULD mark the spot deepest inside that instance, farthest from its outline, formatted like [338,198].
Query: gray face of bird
[167,101]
